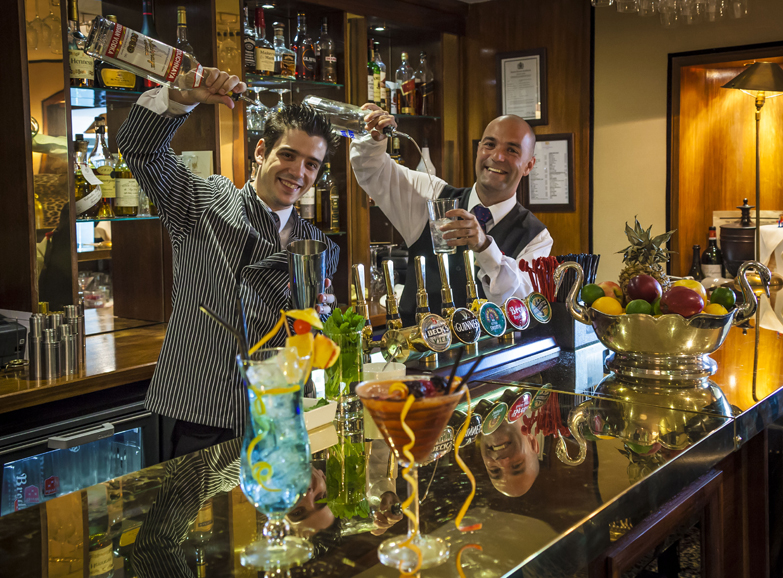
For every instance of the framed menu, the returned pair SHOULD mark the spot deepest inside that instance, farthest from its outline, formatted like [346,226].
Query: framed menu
[521,78]
[550,185]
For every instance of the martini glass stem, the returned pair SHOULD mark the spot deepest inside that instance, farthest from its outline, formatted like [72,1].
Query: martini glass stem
[413,490]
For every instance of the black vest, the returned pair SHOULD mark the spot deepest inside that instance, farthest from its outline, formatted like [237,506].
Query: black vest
[512,234]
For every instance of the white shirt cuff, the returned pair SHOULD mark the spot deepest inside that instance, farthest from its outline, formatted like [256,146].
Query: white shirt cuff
[157,100]
[490,259]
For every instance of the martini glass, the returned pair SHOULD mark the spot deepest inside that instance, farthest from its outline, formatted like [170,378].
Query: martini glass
[427,418]
[275,458]
[280,104]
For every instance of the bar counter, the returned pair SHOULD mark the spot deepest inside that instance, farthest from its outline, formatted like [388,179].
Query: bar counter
[550,518]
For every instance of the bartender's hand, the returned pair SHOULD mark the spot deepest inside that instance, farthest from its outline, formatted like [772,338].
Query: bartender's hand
[213,90]
[376,120]
[465,231]
[325,301]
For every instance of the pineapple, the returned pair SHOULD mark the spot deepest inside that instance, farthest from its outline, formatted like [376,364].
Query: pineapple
[644,256]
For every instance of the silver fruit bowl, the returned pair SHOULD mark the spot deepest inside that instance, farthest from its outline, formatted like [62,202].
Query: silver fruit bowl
[666,346]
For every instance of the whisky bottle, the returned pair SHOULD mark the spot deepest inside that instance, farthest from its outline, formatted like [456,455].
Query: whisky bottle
[85,194]
[327,58]
[109,76]
[285,59]
[182,31]
[696,271]
[264,51]
[102,162]
[82,66]
[373,75]
[328,201]
[425,85]
[303,48]
[712,258]
[126,202]
[307,205]
[406,87]
[248,44]
[382,96]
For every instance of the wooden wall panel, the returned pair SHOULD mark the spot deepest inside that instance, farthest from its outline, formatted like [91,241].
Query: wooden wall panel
[137,268]
[714,150]
[563,28]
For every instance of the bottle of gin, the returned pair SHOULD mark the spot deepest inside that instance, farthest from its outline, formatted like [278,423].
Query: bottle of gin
[109,76]
[327,57]
[285,59]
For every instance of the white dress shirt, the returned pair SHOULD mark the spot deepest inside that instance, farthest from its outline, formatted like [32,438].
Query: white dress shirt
[158,101]
[402,195]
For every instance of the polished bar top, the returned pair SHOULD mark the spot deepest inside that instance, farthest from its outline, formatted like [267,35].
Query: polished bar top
[113,359]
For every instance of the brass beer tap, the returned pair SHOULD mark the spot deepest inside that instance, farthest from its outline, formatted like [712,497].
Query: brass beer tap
[422,301]
[464,324]
[393,320]
[490,316]
[362,309]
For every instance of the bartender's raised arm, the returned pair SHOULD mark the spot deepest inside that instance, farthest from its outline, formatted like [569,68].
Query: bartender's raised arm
[145,138]
[399,192]
[500,275]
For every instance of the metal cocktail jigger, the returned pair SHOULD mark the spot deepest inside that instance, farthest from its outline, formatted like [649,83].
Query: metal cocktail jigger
[306,272]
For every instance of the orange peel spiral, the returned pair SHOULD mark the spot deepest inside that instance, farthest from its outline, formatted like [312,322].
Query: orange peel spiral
[414,495]
[461,436]
[459,557]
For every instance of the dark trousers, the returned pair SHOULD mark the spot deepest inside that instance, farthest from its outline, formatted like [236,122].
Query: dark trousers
[179,438]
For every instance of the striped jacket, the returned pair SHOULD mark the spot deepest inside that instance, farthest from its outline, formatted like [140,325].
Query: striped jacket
[223,239]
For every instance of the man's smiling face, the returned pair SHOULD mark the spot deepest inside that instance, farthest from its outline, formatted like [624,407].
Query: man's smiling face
[289,169]
[505,155]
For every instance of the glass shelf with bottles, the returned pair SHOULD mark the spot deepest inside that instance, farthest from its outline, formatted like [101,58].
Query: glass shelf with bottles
[275,81]
[95,97]
[100,220]
[416,116]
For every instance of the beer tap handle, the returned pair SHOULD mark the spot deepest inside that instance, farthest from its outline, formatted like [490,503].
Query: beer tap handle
[470,267]
[445,285]
[358,283]
[393,320]
[422,300]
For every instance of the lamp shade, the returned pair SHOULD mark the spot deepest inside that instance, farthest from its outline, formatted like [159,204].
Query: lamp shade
[766,76]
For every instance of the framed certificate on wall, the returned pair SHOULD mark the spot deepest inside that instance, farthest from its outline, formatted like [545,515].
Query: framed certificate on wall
[550,185]
[521,78]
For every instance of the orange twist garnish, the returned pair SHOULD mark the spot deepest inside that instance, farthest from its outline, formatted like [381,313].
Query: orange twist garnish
[400,387]
[463,510]
[459,556]
[406,451]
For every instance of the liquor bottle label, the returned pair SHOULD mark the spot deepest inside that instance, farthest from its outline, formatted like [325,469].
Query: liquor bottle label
[309,61]
[711,271]
[251,60]
[104,174]
[89,200]
[492,319]
[82,66]
[147,54]
[116,78]
[287,65]
[408,97]
[376,88]
[465,325]
[370,88]
[205,519]
[334,204]
[517,313]
[426,88]
[265,59]
[89,176]
[128,537]
[127,191]
[101,561]
[307,203]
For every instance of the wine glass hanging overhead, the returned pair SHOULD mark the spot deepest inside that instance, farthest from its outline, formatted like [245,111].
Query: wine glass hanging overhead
[672,13]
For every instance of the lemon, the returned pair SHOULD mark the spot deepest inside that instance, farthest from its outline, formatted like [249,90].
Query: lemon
[608,305]
[715,309]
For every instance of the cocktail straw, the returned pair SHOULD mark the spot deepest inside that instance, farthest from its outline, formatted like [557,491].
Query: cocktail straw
[228,327]
[472,369]
[460,351]
[240,307]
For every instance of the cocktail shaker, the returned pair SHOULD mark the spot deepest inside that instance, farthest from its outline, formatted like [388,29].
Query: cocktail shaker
[35,346]
[76,321]
[68,361]
[307,272]
[51,354]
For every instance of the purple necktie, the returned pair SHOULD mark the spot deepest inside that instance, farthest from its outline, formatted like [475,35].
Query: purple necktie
[483,216]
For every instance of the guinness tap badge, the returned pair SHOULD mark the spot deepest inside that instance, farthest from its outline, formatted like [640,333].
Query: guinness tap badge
[474,427]
[465,325]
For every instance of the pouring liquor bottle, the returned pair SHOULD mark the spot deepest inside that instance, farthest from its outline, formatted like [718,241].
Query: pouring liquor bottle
[144,56]
[109,76]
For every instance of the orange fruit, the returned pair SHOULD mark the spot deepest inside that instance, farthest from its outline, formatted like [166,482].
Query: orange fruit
[608,305]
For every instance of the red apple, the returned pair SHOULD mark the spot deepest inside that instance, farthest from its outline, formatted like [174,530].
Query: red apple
[644,287]
[612,289]
[682,300]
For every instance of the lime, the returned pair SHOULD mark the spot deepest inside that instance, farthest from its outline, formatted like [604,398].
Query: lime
[715,309]
[638,306]
[608,305]
[591,292]
[723,296]
[656,307]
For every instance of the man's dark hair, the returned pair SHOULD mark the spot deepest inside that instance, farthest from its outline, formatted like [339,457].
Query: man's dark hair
[300,117]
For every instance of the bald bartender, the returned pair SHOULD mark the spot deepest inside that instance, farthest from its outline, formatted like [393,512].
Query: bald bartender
[489,220]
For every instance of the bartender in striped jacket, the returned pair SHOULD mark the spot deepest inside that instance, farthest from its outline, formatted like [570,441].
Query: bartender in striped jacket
[225,240]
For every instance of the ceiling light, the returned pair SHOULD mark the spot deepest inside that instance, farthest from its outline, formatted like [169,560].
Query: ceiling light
[267,6]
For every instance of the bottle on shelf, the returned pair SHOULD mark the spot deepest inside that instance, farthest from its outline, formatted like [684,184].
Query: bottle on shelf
[82,67]
[148,29]
[200,534]
[303,48]
[109,76]
[396,155]
[383,90]
[406,87]
[347,119]
[264,51]
[328,201]
[425,163]
[696,271]
[307,205]
[101,551]
[182,31]
[87,198]
[712,258]
[373,75]
[248,44]
[126,202]
[285,58]
[425,86]
[327,57]
[102,162]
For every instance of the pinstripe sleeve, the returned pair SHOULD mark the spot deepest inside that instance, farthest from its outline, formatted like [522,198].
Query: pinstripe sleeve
[181,196]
